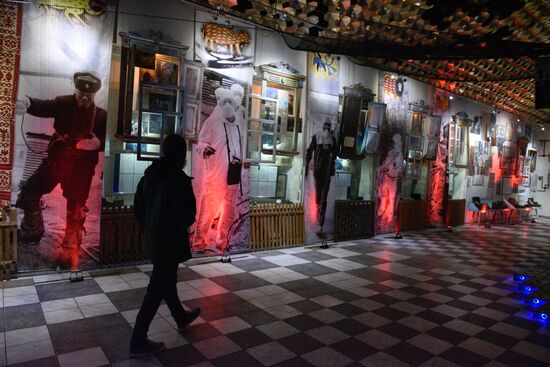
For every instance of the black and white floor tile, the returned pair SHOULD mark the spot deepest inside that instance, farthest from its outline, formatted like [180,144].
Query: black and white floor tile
[432,298]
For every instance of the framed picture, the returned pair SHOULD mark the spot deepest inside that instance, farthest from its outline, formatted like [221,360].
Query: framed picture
[193,80]
[370,141]
[155,124]
[166,72]
[416,124]
[290,123]
[162,102]
[431,149]
[434,127]
[191,118]
[415,143]
[375,116]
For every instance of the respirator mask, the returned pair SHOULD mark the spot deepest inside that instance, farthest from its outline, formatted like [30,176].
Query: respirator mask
[227,108]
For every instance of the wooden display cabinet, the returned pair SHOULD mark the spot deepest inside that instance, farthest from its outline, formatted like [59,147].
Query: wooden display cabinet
[359,118]
[278,92]
[151,95]
[273,129]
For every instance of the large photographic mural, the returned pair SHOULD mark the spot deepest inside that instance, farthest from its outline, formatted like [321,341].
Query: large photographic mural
[220,176]
[61,120]
[439,167]
[394,92]
[322,117]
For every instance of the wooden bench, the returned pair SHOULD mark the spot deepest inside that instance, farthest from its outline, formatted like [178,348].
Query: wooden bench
[8,243]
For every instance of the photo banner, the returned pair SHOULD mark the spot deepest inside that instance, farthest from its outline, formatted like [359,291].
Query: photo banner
[322,148]
[393,91]
[220,177]
[60,132]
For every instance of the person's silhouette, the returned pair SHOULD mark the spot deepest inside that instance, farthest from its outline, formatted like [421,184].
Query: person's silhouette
[165,207]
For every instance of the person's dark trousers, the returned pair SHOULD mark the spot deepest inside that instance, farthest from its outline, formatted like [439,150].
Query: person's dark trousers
[162,285]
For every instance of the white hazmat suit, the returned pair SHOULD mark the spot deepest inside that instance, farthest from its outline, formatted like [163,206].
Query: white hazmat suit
[219,142]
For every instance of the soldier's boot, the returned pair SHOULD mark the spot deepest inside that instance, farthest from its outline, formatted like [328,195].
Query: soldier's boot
[74,225]
[32,224]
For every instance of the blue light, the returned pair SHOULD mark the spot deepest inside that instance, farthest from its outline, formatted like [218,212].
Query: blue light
[543,316]
[536,301]
[521,277]
[527,289]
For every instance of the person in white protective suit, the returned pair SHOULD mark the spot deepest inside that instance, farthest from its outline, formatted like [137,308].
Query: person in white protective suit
[388,177]
[220,150]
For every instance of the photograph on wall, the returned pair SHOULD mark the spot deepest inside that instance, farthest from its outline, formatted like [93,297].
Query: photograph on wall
[322,147]
[166,72]
[389,173]
[193,79]
[375,115]
[492,128]
[220,181]
[324,73]
[394,91]
[223,43]
[508,151]
[321,154]
[475,125]
[60,139]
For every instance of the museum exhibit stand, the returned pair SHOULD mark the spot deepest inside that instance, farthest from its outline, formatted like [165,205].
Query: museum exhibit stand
[152,103]
[361,121]
[422,136]
[273,151]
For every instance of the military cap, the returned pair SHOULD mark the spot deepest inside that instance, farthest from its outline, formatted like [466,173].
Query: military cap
[86,82]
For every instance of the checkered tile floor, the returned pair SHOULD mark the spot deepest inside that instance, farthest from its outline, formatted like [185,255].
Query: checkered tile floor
[431,299]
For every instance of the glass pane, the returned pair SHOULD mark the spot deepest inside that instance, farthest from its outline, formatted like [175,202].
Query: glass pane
[254,125]
[167,71]
[254,112]
[150,151]
[268,127]
[268,110]
[151,124]
[252,151]
[286,142]
[170,124]
[257,87]
[267,141]
[159,99]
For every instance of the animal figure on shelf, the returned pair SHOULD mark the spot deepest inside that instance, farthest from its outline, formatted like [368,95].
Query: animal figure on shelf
[74,10]
[226,40]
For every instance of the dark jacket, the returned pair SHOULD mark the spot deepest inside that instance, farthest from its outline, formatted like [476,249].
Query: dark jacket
[165,207]
[71,122]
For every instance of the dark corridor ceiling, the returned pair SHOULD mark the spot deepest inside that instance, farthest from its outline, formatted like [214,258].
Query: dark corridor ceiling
[484,50]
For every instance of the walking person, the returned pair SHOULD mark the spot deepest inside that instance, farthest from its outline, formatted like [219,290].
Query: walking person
[164,206]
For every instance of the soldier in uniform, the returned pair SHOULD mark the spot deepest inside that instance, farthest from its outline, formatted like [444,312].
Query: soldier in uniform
[323,148]
[72,156]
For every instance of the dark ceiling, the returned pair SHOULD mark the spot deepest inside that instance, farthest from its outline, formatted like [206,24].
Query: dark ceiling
[482,49]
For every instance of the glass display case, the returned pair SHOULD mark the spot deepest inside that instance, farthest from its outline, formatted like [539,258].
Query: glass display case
[263,133]
[274,134]
[159,114]
[458,155]
[152,103]
[360,123]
